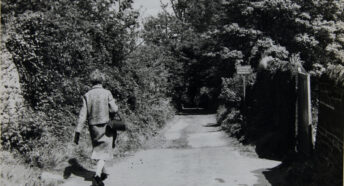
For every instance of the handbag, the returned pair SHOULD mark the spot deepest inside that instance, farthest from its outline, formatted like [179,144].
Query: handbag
[116,122]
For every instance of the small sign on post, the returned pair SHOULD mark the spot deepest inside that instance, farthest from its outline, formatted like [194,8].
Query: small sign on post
[244,70]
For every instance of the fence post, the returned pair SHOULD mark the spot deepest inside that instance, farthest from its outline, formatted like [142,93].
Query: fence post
[244,86]
[304,116]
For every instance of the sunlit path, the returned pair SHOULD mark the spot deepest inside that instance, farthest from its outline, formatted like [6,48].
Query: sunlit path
[188,153]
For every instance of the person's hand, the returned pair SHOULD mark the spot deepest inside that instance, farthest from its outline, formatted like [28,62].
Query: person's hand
[76,137]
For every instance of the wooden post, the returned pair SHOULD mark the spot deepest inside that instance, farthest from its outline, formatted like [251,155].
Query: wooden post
[119,5]
[244,85]
[296,124]
[305,145]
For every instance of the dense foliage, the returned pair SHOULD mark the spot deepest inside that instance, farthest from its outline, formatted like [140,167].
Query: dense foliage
[209,38]
[189,56]
[276,38]
[65,42]
[55,45]
[275,35]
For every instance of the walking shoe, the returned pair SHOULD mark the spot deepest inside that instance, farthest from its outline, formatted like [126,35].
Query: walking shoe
[97,181]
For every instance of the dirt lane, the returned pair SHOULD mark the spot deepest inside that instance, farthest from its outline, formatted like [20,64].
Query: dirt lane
[187,153]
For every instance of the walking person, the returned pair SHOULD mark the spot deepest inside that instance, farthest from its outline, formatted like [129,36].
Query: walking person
[98,103]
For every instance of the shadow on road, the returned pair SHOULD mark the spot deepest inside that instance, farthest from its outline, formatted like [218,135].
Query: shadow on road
[212,125]
[276,176]
[280,176]
[78,170]
[195,111]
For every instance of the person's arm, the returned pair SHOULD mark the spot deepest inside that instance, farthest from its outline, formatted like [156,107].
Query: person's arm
[81,121]
[112,104]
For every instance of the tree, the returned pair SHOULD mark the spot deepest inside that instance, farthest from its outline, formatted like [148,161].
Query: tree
[57,41]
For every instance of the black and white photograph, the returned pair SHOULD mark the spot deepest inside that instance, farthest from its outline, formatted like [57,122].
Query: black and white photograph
[172,93]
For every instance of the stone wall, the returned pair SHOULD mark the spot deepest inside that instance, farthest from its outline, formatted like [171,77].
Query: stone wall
[329,138]
[11,99]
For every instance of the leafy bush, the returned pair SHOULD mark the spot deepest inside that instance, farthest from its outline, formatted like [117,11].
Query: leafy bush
[231,121]
[55,45]
[22,135]
[231,91]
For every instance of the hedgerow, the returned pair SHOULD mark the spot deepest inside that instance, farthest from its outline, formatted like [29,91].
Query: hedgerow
[55,45]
